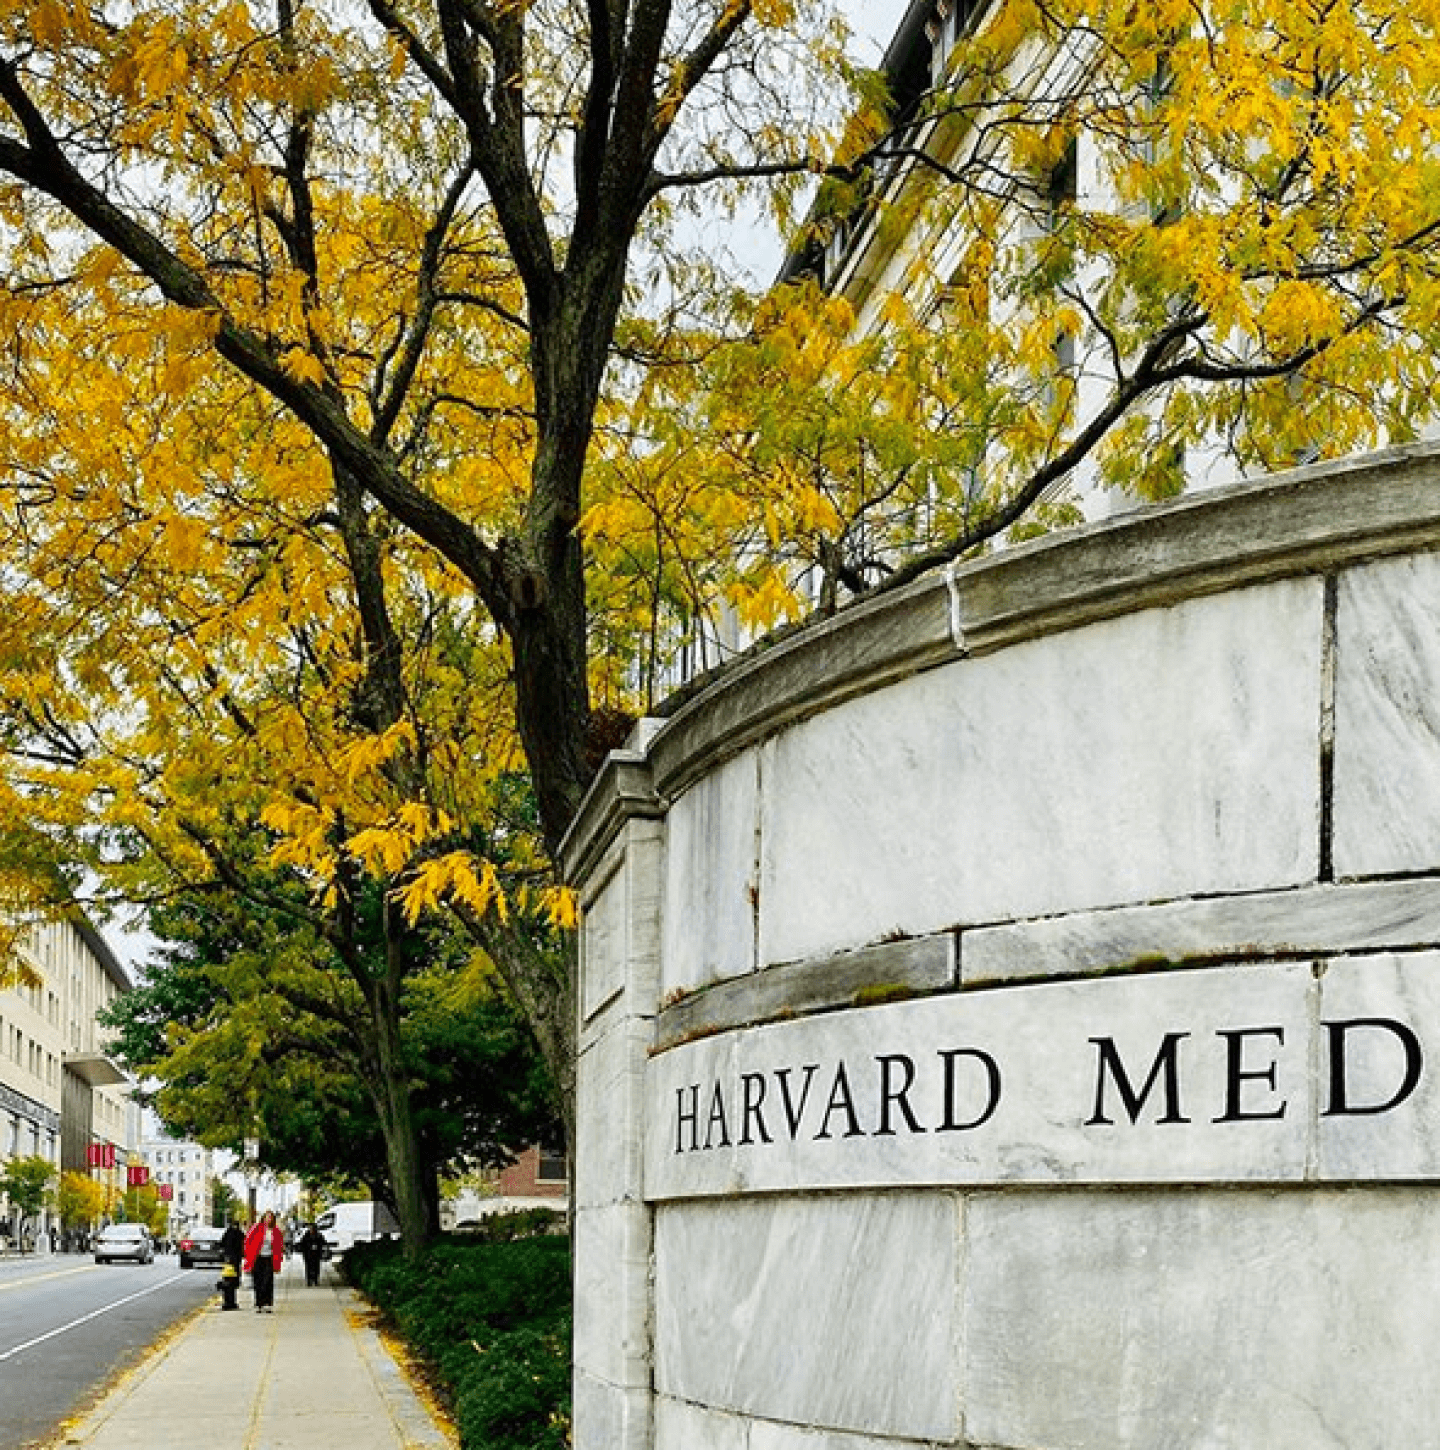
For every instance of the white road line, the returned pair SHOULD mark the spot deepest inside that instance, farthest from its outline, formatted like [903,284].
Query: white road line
[86,1318]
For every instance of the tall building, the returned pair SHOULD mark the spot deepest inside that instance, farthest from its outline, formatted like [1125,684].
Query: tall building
[61,1097]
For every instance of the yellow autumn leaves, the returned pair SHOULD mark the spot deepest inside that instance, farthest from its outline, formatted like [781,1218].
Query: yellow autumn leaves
[180,644]
[1242,257]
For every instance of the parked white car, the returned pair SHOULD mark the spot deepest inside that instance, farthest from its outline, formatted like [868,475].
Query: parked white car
[124,1241]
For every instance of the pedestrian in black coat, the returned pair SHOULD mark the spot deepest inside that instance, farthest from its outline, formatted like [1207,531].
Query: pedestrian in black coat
[312,1250]
[232,1245]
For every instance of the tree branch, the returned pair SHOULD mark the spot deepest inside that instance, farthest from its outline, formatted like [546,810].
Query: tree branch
[43,165]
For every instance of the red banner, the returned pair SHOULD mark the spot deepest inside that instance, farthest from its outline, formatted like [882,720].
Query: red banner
[167,1192]
[137,1176]
[102,1155]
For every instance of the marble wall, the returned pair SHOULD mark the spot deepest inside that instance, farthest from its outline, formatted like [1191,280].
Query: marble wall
[1010,1014]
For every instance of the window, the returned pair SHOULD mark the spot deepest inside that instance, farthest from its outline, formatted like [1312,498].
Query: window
[552,1166]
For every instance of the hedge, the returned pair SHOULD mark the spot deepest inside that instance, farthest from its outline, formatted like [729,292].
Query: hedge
[492,1320]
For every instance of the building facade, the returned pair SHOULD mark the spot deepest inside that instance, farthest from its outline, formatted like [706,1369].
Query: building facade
[62,1098]
[184,1173]
[1059,197]
[538,1178]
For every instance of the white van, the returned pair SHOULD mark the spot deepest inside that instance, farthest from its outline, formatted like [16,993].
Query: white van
[356,1223]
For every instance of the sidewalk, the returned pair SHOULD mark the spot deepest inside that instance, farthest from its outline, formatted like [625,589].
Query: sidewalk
[310,1376]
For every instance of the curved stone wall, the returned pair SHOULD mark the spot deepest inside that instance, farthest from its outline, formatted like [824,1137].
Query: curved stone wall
[1010,1012]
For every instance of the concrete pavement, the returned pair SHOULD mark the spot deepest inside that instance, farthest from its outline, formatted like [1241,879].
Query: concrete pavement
[312,1375]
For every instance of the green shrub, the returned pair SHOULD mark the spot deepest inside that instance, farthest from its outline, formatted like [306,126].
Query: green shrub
[520,1223]
[518,1399]
[493,1321]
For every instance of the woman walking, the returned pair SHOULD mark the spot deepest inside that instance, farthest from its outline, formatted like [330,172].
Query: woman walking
[264,1251]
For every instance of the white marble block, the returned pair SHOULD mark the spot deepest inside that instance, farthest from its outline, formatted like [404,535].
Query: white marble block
[710,879]
[608,1416]
[1188,1076]
[1155,1321]
[605,943]
[1168,752]
[610,1099]
[1387,718]
[612,1294]
[748,1291]
[1382,1017]
[680,1426]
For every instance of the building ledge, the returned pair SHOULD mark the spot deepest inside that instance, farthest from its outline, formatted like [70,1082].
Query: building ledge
[95,1069]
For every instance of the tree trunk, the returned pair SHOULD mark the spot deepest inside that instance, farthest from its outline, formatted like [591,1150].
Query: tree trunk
[390,1091]
[571,325]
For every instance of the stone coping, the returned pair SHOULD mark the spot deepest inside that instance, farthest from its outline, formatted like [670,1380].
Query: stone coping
[880,973]
[1307,521]
[622,791]
[1323,921]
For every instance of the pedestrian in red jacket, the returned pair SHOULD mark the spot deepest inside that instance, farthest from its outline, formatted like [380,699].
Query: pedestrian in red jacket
[264,1252]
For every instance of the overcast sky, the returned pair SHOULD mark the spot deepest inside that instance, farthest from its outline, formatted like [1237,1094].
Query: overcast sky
[876,21]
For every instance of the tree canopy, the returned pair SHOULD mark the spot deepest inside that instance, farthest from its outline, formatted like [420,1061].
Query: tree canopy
[1095,251]
[373,419]
[81,1200]
[27,1183]
[251,1029]
[312,307]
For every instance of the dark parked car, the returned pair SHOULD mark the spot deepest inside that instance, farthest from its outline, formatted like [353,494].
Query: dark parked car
[201,1246]
[124,1241]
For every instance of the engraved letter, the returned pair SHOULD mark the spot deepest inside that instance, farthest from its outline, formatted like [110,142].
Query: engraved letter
[1340,1104]
[753,1091]
[1167,1057]
[992,1074]
[793,1111]
[899,1096]
[717,1115]
[682,1117]
[1235,1076]
[841,1101]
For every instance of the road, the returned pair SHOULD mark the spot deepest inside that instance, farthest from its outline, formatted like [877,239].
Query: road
[67,1325]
